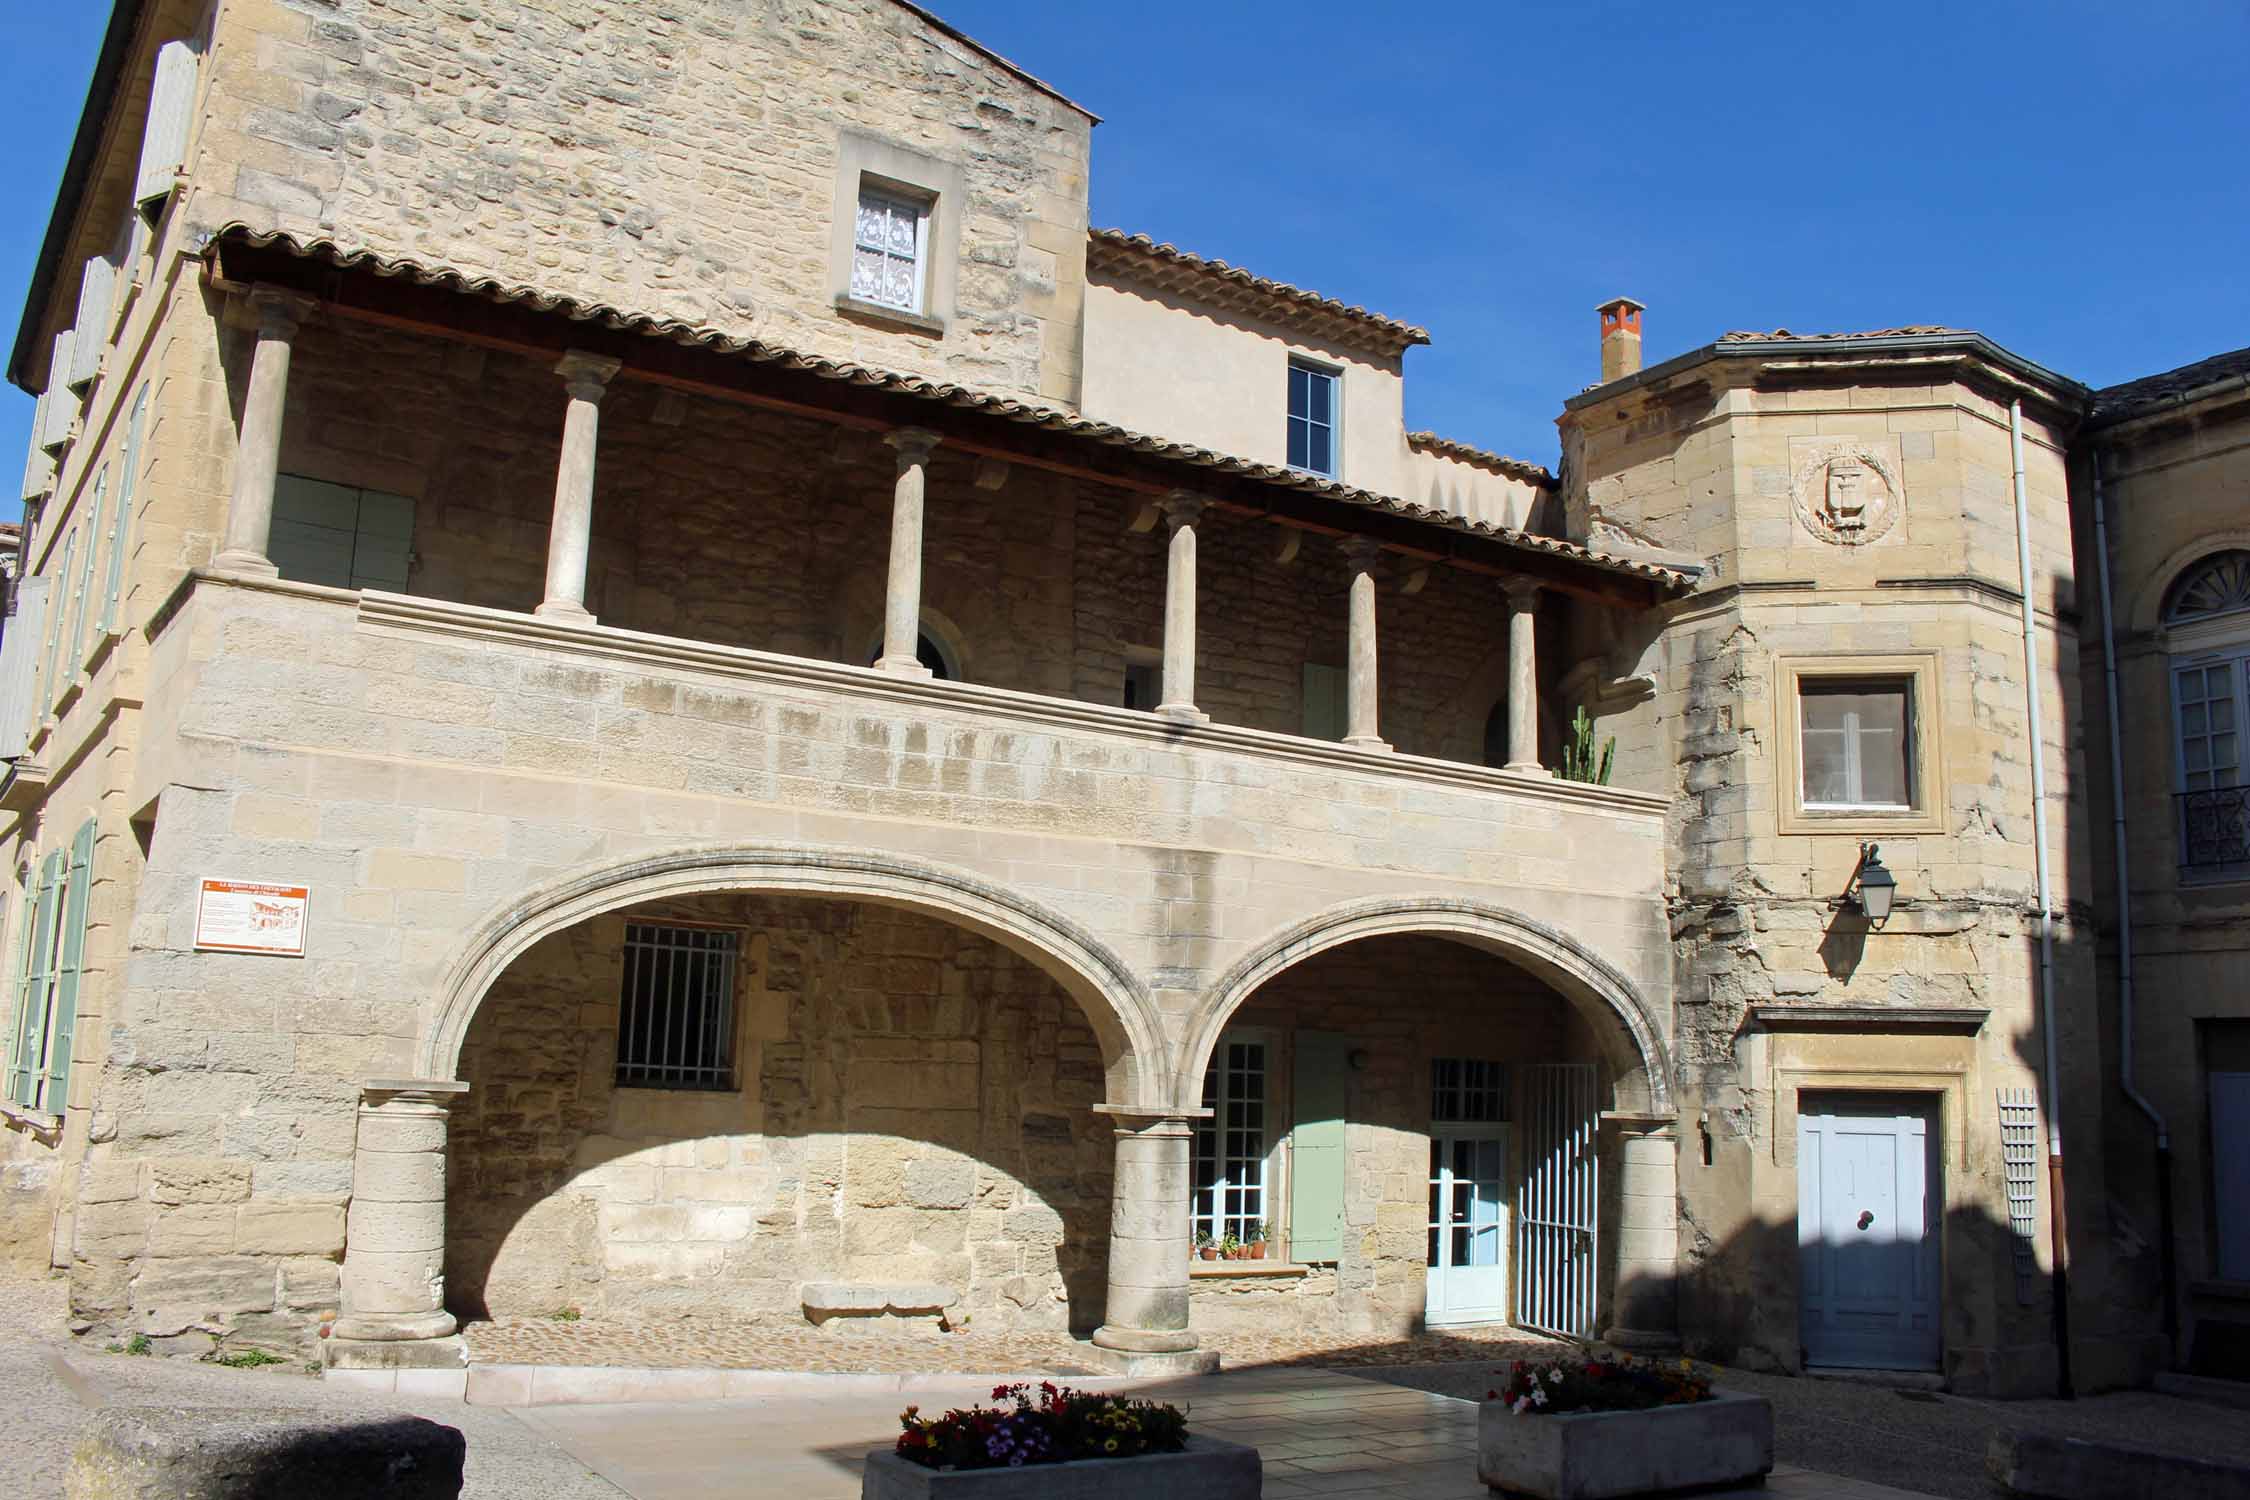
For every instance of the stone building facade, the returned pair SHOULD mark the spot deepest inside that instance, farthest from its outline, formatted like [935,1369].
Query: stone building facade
[663,687]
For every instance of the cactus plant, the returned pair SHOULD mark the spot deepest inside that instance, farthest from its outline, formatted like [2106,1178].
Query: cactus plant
[1579,762]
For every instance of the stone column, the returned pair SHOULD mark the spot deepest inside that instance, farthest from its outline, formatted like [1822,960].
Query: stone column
[257,456]
[1646,1308]
[1360,556]
[902,598]
[1523,677]
[394,1247]
[1181,511]
[1147,1312]
[570,535]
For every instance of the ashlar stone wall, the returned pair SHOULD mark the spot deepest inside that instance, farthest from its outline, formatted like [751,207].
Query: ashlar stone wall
[915,1107]
[674,160]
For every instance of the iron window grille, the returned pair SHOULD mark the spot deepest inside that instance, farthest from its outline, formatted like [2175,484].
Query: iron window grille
[675,1012]
[1468,1090]
[2214,828]
[1230,1144]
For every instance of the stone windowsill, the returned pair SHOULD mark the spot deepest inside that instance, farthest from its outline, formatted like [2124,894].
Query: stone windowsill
[37,1120]
[1199,1270]
[895,317]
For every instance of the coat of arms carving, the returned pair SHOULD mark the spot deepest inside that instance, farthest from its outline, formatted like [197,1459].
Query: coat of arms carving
[1847,489]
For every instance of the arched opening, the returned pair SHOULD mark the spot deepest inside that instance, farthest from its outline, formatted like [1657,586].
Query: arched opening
[767,1108]
[1409,1102]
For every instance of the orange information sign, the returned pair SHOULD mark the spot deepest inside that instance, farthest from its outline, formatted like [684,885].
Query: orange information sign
[247,916]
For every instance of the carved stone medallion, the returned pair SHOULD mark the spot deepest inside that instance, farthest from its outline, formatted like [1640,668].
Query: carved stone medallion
[1847,490]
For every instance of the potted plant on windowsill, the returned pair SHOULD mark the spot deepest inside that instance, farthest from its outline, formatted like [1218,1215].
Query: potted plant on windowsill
[1602,1426]
[1255,1242]
[1115,1446]
[1203,1245]
[1230,1248]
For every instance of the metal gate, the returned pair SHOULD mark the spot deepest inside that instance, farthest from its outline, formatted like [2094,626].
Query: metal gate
[1558,1203]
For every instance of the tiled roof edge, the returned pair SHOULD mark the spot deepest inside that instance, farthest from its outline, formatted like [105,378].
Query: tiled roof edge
[1171,268]
[1007,408]
[1498,463]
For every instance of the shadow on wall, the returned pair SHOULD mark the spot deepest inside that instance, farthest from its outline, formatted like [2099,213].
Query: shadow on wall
[914,1109]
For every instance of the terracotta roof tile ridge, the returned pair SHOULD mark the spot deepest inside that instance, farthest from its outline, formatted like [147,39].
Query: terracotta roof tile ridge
[1501,463]
[1010,408]
[1783,335]
[1209,269]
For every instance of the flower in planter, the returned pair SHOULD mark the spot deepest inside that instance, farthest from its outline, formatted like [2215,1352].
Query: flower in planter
[1612,1383]
[1060,1425]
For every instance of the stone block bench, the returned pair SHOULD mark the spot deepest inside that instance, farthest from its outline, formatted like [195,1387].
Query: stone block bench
[212,1453]
[2043,1466]
[848,1304]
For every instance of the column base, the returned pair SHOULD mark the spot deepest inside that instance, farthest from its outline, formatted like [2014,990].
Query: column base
[1367,742]
[407,1354]
[1175,1362]
[1182,713]
[392,1328]
[1144,1340]
[903,666]
[1527,768]
[1642,1340]
[245,564]
[565,610]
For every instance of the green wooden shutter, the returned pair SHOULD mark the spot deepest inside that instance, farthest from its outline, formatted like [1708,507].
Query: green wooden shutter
[58,604]
[1324,702]
[11,1071]
[70,972]
[120,529]
[313,526]
[75,648]
[1316,1151]
[38,984]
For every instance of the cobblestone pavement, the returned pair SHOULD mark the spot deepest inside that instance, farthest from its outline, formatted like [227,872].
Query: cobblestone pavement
[751,1346]
[1921,1440]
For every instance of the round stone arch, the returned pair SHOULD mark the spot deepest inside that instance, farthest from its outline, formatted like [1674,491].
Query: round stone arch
[1629,1036]
[1115,1002]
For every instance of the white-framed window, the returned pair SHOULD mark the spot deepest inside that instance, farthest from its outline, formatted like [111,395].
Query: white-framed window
[1468,1090]
[1856,743]
[676,1007]
[1315,417]
[2207,633]
[1232,1144]
[890,249]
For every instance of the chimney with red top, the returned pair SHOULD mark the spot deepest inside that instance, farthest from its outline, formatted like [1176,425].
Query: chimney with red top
[1621,338]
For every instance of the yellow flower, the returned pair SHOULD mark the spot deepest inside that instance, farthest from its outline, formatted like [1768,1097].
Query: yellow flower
[1110,1446]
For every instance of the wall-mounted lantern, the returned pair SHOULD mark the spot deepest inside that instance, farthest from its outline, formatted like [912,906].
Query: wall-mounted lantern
[1872,885]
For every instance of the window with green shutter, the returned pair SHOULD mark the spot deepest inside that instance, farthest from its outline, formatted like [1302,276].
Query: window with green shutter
[1316,1146]
[27,1052]
[58,606]
[339,535]
[120,527]
[74,648]
[70,969]
[1324,702]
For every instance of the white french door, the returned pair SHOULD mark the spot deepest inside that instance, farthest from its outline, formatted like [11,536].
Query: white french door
[1467,1279]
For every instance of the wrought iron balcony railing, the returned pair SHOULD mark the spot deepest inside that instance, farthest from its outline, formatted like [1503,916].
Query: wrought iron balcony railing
[2214,827]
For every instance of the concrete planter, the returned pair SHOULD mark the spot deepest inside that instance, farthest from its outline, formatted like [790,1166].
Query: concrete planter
[1600,1455]
[1207,1468]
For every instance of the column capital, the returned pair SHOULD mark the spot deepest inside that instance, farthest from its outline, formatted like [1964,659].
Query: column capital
[279,313]
[914,444]
[587,375]
[1182,507]
[1361,553]
[374,1093]
[1523,593]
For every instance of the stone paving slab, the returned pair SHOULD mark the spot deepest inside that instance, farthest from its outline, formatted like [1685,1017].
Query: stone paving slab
[796,1346]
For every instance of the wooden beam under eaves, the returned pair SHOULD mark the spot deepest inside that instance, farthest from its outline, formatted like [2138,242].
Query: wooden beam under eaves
[449,315]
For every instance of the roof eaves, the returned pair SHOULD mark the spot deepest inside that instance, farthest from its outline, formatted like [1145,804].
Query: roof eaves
[1499,463]
[1005,407]
[2170,390]
[70,195]
[1350,323]
[1768,346]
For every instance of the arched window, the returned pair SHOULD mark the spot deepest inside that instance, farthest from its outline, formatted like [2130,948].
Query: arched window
[928,653]
[2207,628]
[1496,734]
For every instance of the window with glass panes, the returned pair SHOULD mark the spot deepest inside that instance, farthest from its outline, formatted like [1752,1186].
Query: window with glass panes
[1465,1090]
[1230,1143]
[675,1012]
[1856,740]
[1312,418]
[887,250]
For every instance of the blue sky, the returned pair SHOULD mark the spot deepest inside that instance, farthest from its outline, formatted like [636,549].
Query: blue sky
[2067,177]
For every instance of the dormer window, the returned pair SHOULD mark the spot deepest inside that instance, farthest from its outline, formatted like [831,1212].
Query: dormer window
[890,250]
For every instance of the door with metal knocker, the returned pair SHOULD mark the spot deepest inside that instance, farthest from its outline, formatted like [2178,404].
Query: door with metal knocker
[1866,1231]
[1467,1280]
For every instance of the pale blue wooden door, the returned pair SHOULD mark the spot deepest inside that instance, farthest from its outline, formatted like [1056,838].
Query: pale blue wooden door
[1866,1240]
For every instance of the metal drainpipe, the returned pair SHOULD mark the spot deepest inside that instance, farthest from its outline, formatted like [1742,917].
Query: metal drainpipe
[2166,1259]
[2056,1221]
